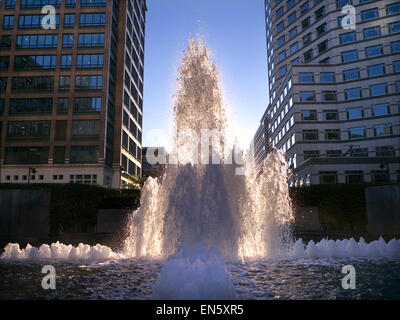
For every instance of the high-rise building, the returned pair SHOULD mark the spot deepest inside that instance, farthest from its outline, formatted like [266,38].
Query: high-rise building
[334,90]
[71,98]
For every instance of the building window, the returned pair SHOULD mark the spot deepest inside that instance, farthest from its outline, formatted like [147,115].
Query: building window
[279,12]
[310,135]
[64,83]
[376,70]
[294,47]
[306,77]
[66,61]
[305,7]
[374,51]
[328,96]
[85,128]
[84,105]
[319,13]
[282,56]
[37,41]
[379,176]
[292,17]
[28,129]
[3,84]
[68,40]
[354,177]
[280,26]
[349,56]
[89,61]
[331,115]
[355,113]
[35,62]
[332,134]
[369,14]
[348,37]
[26,155]
[306,23]
[91,40]
[393,8]
[351,94]
[33,21]
[69,20]
[323,46]
[308,55]
[341,3]
[321,29]
[328,177]
[84,154]
[307,38]
[359,153]
[5,42]
[383,130]
[311,154]
[307,96]
[309,115]
[33,83]
[282,71]
[395,46]
[394,27]
[62,105]
[380,109]
[31,106]
[327,77]
[396,66]
[378,89]
[333,153]
[8,22]
[372,32]
[293,33]
[281,41]
[88,82]
[357,133]
[385,151]
[351,74]
[92,19]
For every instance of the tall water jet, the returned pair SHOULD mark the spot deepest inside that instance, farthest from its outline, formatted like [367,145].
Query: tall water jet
[209,204]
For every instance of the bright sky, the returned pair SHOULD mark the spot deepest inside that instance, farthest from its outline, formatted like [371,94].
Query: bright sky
[234,30]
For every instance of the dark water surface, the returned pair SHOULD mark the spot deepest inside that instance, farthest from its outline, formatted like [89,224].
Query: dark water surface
[134,278]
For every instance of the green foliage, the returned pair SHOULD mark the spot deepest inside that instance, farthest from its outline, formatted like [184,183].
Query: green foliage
[74,206]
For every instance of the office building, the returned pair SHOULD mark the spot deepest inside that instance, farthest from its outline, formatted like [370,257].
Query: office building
[334,90]
[71,98]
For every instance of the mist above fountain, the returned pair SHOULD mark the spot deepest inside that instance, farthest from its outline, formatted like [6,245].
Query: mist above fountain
[209,204]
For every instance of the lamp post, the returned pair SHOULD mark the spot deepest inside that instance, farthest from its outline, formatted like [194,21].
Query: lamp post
[383,166]
[30,169]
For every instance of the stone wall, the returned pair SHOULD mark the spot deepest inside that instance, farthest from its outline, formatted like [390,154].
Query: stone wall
[307,220]
[112,220]
[383,209]
[24,213]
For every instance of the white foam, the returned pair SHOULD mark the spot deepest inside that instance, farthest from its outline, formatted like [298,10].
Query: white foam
[194,274]
[347,248]
[58,251]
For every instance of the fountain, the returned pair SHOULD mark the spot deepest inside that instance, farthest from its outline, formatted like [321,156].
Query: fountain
[213,221]
[209,204]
